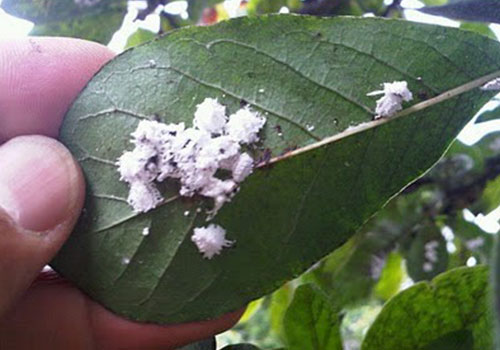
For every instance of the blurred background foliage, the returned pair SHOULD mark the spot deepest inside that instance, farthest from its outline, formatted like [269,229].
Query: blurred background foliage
[444,220]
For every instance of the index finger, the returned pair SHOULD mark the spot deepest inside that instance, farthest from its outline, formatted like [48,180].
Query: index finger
[39,79]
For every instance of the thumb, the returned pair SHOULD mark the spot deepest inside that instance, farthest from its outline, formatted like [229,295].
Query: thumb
[41,194]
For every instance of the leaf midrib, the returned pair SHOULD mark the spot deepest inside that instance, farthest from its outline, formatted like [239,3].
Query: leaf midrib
[349,132]
[449,94]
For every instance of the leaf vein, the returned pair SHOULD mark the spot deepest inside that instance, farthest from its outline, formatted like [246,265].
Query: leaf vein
[133,215]
[220,88]
[167,263]
[296,71]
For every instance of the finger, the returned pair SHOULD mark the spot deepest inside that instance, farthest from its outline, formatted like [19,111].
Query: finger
[41,194]
[39,78]
[55,315]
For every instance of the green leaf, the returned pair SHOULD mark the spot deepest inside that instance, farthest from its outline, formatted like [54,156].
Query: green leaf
[491,195]
[481,28]
[427,256]
[473,238]
[207,344]
[299,72]
[280,300]
[434,2]
[391,277]
[350,272]
[140,36]
[455,301]
[460,340]
[469,10]
[251,309]
[91,20]
[258,7]
[495,278]
[312,322]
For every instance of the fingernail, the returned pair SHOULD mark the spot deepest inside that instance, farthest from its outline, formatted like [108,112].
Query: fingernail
[38,182]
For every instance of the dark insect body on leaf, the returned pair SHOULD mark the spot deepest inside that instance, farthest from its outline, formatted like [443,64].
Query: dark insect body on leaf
[288,149]
[265,157]
[423,95]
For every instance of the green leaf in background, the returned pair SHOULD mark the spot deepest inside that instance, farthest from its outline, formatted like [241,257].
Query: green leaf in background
[280,300]
[454,302]
[434,2]
[473,238]
[469,10]
[251,309]
[491,195]
[258,7]
[302,73]
[95,20]
[139,37]
[391,277]
[207,344]
[427,256]
[495,280]
[460,340]
[351,272]
[481,28]
[312,322]
[356,321]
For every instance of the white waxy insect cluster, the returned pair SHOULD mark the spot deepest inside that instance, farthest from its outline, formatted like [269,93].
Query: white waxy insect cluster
[394,95]
[492,85]
[210,240]
[194,156]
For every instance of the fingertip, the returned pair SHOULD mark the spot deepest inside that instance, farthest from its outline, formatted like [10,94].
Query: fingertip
[39,79]
[41,185]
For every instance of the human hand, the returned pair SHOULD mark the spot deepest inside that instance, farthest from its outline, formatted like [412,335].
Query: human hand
[41,195]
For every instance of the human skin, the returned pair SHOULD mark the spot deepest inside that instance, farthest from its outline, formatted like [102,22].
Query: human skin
[41,195]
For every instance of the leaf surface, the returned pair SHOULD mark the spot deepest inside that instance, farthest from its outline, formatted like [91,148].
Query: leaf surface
[309,77]
[391,277]
[312,322]
[495,279]
[491,195]
[438,313]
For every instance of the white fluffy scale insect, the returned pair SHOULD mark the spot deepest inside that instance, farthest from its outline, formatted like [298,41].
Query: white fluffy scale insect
[193,156]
